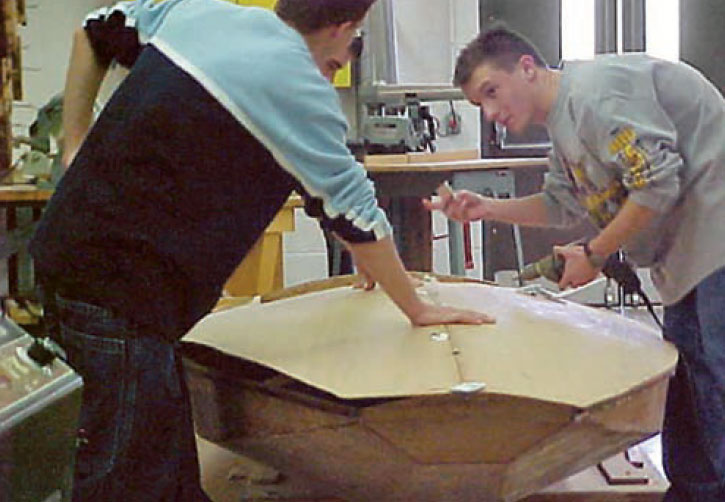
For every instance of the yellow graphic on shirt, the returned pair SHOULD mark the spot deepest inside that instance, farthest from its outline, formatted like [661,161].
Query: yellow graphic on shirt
[602,204]
[631,156]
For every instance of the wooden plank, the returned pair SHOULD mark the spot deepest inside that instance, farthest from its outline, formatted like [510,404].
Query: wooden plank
[419,157]
[384,160]
[6,99]
[23,193]
[9,59]
[380,351]
[478,429]
[429,444]
[458,165]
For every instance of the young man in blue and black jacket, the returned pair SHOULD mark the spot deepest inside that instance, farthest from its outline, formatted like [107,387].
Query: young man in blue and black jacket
[226,110]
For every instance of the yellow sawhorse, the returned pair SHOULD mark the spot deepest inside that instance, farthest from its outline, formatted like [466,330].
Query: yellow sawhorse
[262,270]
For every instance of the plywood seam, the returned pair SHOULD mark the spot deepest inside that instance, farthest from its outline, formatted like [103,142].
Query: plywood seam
[392,445]
[434,297]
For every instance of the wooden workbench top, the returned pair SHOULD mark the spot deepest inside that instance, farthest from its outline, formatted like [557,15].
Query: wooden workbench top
[453,165]
[23,193]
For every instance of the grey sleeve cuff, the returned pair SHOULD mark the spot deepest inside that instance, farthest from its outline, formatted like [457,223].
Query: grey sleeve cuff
[660,202]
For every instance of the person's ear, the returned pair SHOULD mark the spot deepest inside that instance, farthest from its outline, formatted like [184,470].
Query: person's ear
[528,66]
[343,28]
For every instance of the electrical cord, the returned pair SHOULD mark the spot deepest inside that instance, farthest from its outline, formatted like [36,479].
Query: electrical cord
[619,270]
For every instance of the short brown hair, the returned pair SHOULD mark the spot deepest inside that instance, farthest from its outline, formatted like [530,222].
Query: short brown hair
[500,45]
[308,16]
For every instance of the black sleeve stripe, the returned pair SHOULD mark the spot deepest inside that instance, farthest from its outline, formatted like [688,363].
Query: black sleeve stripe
[112,40]
[340,225]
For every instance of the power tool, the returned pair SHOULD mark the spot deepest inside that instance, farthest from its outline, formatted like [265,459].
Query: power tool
[615,267]
[551,267]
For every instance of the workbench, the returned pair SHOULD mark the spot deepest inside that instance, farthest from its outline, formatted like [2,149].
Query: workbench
[402,180]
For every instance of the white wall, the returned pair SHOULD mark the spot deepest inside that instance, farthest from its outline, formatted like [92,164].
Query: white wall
[430,34]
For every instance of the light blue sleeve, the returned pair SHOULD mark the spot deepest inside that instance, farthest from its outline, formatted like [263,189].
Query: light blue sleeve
[296,113]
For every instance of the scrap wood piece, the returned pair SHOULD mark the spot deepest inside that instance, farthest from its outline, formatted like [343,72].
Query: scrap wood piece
[619,470]
[635,456]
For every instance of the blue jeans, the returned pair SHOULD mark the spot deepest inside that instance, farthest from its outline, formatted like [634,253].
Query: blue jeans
[693,436]
[136,439]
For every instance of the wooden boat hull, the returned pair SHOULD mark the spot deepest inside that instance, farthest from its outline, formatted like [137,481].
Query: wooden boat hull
[441,446]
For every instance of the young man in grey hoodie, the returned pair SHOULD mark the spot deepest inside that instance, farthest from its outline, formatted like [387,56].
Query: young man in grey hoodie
[639,149]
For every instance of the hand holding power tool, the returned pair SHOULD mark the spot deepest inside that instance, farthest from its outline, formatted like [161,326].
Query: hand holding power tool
[552,266]
[614,266]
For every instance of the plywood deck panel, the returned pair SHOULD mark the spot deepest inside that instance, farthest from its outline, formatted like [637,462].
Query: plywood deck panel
[346,341]
[357,344]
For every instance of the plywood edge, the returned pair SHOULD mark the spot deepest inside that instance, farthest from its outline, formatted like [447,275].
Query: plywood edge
[640,410]
[340,281]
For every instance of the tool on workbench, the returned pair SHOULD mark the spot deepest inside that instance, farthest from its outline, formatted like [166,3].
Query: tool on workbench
[395,120]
